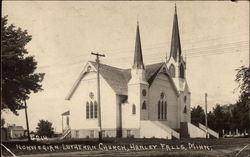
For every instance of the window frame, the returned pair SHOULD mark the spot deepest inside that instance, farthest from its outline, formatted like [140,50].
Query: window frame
[172,70]
[95,110]
[87,110]
[91,110]
[182,71]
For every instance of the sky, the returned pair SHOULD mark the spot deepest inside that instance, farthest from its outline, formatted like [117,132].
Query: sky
[214,38]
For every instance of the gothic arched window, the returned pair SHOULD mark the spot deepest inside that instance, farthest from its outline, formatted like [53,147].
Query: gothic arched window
[182,72]
[144,107]
[159,109]
[87,110]
[185,99]
[133,109]
[165,107]
[91,109]
[162,107]
[172,70]
[185,109]
[95,109]
[162,110]
[164,70]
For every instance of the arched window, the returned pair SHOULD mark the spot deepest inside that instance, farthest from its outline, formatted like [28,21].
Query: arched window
[182,72]
[172,70]
[165,106]
[87,110]
[162,107]
[95,109]
[164,70]
[162,95]
[162,110]
[91,109]
[159,110]
[185,99]
[185,109]
[144,107]
[133,109]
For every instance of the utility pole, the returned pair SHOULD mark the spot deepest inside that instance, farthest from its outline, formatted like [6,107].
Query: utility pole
[98,92]
[27,121]
[206,113]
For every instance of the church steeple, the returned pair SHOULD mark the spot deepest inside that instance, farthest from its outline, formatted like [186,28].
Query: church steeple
[138,84]
[138,59]
[175,50]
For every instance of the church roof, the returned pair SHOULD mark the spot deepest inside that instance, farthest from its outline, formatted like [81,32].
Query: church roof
[118,78]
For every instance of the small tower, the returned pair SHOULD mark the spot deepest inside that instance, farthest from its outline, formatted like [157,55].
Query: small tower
[138,85]
[175,61]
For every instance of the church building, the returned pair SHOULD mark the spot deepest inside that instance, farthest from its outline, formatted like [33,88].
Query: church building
[143,101]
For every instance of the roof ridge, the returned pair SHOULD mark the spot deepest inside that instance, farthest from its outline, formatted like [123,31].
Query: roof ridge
[155,63]
[121,69]
[108,65]
[118,78]
[147,65]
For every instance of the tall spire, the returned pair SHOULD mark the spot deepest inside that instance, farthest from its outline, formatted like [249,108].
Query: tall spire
[175,49]
[138,60]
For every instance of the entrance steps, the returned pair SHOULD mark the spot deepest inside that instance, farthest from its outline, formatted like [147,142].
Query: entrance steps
[66,134]
[210,131]
[188,130]
[149,129]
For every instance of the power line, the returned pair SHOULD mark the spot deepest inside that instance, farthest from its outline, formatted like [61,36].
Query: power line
[218,46]
[209,52]
[190,56]
[188,41]
[160,57]
[195,51]
[128,49]
[155,47]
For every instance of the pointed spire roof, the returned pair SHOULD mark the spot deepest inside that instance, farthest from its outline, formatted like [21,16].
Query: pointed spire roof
[138,59]
[175,41]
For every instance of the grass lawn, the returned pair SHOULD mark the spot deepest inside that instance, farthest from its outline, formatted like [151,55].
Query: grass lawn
[129,147]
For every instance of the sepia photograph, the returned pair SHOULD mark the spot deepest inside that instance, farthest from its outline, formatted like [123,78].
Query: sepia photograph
[125,78]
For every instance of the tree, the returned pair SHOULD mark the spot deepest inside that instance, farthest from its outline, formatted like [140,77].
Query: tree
[197,115]
[44,128]
[18,69]
[243,79]
[227,122]
[240,117]
[220,119]
[241,111]
[211,120]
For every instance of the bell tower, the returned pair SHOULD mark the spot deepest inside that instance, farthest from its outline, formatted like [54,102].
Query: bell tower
[138,85]
[177,69]
[175,62]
